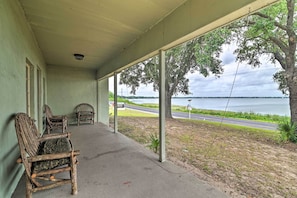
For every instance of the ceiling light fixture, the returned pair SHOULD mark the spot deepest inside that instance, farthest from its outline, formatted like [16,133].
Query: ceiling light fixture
[78,56]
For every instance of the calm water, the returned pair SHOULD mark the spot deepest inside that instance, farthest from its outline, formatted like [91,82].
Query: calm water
[278,106]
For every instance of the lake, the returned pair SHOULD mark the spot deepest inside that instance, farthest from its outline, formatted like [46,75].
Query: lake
[277,106]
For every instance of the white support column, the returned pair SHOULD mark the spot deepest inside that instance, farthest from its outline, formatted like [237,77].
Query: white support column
[115,107]
[162,154]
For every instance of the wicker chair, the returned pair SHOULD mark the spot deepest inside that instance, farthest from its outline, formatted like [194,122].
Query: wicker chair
[54,121]
[45,156]
[84,113]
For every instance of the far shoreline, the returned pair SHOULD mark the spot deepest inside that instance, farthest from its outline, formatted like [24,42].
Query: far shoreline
[187,97]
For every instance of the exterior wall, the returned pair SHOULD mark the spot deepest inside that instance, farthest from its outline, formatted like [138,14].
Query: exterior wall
[68,87]
[103,101]
[17,46]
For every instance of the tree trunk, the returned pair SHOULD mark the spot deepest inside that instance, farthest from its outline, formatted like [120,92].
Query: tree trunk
[168,113]
[293,100]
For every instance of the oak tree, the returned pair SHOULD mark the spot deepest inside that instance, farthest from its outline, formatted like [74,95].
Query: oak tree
[272,32]
[197,55]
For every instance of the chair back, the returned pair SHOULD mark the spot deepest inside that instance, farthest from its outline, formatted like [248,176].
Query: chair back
[84,107]
[48,115]
[48,111]
[27,134]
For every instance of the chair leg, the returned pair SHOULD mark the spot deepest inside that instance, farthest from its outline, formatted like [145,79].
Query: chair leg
[64,127]
[47,129]
[29,188]
[73,175]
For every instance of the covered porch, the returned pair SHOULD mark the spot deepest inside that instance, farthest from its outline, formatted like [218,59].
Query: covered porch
[112,165]
[39,43]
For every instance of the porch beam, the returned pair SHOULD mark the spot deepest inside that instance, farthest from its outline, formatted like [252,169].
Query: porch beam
[162,120]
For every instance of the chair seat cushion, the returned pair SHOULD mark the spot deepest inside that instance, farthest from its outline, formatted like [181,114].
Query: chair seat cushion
[86,113]
[50,147]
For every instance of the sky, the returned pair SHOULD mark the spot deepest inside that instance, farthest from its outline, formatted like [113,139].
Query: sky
[249,81]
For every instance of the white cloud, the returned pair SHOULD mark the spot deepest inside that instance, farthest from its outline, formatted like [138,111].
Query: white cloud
[256,82]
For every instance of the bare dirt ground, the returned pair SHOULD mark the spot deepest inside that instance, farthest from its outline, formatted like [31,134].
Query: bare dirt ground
[240,163]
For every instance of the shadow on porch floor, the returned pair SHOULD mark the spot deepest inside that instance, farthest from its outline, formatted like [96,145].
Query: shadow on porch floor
[114,166]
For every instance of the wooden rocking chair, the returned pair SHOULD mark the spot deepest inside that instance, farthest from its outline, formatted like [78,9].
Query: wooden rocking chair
[54,121]
[45,156]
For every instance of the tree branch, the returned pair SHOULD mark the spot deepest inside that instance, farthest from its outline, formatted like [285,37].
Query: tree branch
[277,24]
[290,18]
[280,44]
[280,59]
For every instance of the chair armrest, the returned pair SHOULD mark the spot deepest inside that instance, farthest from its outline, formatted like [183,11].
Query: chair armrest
[54,136]
[53,156]
[58,118]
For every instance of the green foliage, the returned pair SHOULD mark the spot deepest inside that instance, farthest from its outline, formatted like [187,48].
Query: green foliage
[111,96]
[271,33]
[120,99]
[154,142]
[263,33]
[280,78]
[242,115]
[287,131]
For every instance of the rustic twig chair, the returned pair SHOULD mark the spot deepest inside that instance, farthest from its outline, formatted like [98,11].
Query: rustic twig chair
[85,113]
[54,121]
[45,156]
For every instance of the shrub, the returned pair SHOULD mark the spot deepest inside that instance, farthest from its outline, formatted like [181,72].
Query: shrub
[287,131]
[154,142]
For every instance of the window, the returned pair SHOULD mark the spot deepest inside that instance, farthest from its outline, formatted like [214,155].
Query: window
[29,89]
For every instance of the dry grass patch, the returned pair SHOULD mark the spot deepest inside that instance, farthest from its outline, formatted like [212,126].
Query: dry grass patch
[244,163]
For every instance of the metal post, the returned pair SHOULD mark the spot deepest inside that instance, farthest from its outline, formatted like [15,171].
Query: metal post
[189,107]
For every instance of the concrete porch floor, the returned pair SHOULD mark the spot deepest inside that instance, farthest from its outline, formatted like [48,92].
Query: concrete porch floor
[114,166]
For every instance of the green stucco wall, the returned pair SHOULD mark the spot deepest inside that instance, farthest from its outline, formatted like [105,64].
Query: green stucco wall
[17,44]
[61,88]
[68,87]
[103,101]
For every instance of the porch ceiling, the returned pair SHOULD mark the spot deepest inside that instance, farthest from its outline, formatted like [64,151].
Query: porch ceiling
[102,30]
[97,29]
